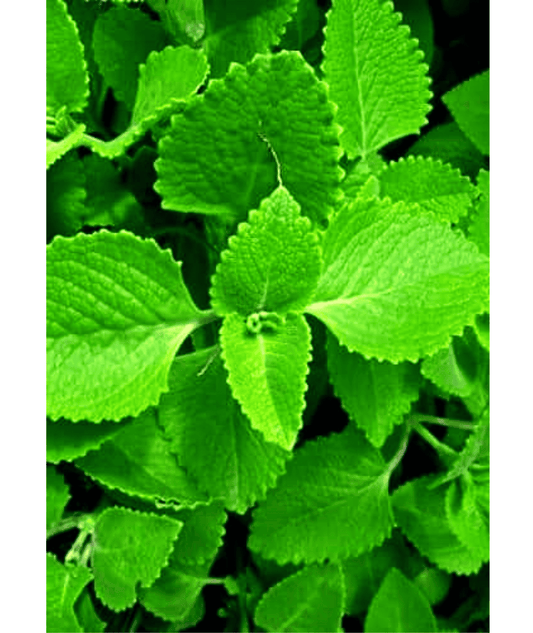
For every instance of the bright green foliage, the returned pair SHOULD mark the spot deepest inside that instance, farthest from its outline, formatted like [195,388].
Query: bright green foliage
[129,547]
[417,15]
[212,437]
[138,462]
[435,186]
[117,311]
[310,600]
[469,104]
[67,82]
[479,231]
[56,149]
[267,366]
[362,180]
[201,536]
[86,614]
[63,586]
[237,30]
[399,606]
[375,74]
[57,496]
[303,26]
[397,286]
[65,196]
[331,503]
[376,395]
[272,264]
[482,329]
[221,155]
[184,19]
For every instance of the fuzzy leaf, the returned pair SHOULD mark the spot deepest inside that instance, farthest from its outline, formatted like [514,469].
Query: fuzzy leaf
[63,587]
[117,312]
[479,230]
[417,14]
[332,502]
[267,367]
[375,74]
[396,286]
[57,496]
[219,156]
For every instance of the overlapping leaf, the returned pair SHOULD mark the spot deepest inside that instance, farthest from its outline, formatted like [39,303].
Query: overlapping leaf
[56,149]
[57,496]
[201,536]
[479,230]
[65,196]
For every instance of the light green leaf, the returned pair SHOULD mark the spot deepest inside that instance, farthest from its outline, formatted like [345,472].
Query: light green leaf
[201,536]
[479,229]
[435,186]
[399,606]
[332,502]
[365,47]
[267,362]
[396,286]
[376,395]
[417,14]
[138,462]
[272,264]
[65,196]
[129,547]
[57,496]
[363,178]
[56,149]
[63,586]
[67,81]
[221,155]
[482,330]
[117,312]
[310,600]
[237,30]
[212,437]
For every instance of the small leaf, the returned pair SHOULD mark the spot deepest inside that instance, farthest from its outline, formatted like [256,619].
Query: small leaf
[57,496]
[201,536]
[63,587]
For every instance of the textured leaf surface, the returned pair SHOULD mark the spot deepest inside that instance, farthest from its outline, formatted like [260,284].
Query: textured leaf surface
[201,536]
[267,371]
[56,149]
[331,503]
[479,229]
[219,155]
[67,82]
[117,311]
[396,286]
[375,74]
[63,586]
[436,187]
[376,395]
[417,14]
[310,600]
[129,547]
[469,104]
[399,606]
[212,437]
[57,496]
[272,264]
[137,461]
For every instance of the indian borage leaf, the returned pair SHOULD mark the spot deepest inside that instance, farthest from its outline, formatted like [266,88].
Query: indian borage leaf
[201,537]
[397,286]
[64,585]
[332,502]
[57,496]
[212,437]
[117,311]
[375,74]
[272,263]
[219,156]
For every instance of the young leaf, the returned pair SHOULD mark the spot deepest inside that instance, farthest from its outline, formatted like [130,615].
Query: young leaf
[375,74]
[267,363]
[57,496]
[397,286]
[272,264]
[376,395]
[129,547]
[479,231]
[201,536]
[219,156]
[469,104]
[399,606]
[309,600]
[117,312]
[332,502]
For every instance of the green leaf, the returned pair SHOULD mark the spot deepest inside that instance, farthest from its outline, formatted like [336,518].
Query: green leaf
[267,363]
[63,586]
[310,600]
[57,496]
[201,536]
[303,26]
[399,606]
[86,614]
[67,82]
[434,584]
[482,330]
[65,196]
[212,437]
[331,503]
[56,149]
[436,187]
[272,264]
[397,286]
[129,547]
[220,156]
[365,47]
[479,230]
[376,395]
[137,461]
[117,312]
[417,14]
[469,104]
[237,30]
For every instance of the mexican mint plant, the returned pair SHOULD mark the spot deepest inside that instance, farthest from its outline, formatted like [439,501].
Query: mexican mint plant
[267,319]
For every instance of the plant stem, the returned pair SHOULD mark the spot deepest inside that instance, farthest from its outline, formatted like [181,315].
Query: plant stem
[443,449]
[401,450]
[433,419]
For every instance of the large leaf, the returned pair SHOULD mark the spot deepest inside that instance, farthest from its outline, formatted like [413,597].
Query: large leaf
[63,587]
[117,311]
[375,74]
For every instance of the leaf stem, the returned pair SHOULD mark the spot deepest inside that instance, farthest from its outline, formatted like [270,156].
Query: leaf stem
[443,449]
[401,450]
[433,419]
[75,521]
